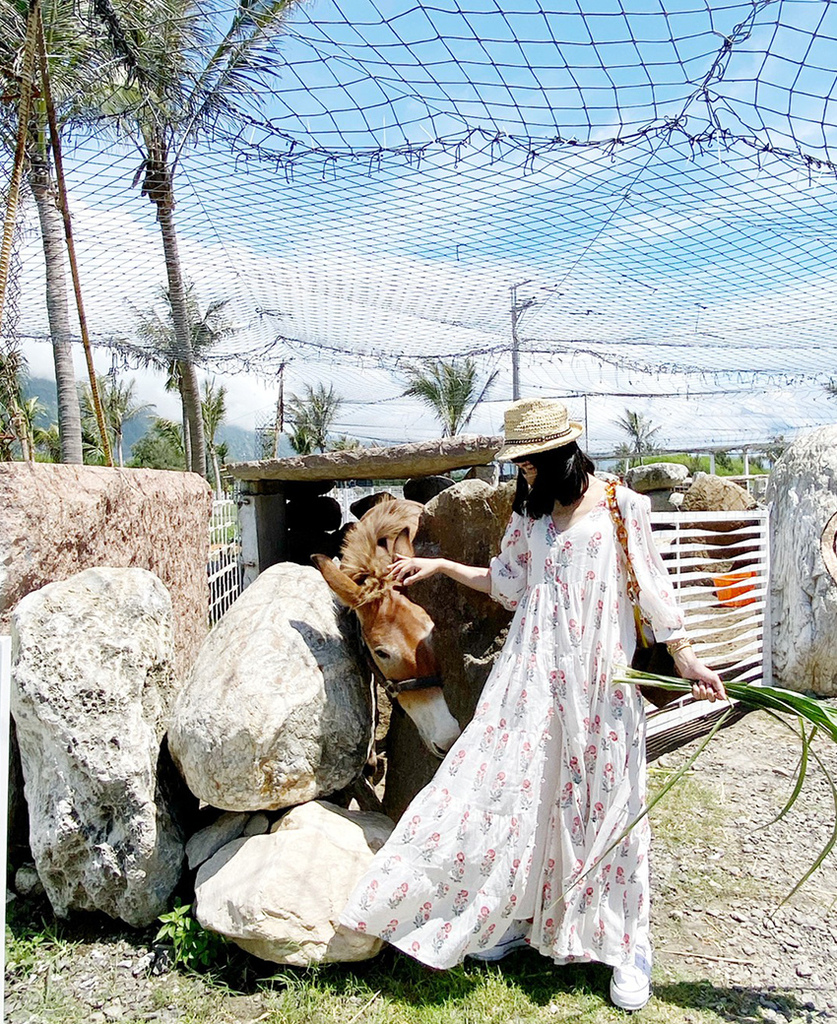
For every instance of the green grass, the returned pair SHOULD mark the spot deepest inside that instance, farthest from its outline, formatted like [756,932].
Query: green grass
[391,989]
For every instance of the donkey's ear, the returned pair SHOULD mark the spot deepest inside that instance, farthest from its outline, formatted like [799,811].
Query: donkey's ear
[403,545]
[344,588]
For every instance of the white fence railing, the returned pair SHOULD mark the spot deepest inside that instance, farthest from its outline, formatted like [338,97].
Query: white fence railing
[224,566]
[720,565]
[348,495]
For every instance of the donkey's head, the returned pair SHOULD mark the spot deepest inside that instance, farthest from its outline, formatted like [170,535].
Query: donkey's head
[399,636]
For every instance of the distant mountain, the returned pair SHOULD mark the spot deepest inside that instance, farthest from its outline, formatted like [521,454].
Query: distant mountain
[242,442]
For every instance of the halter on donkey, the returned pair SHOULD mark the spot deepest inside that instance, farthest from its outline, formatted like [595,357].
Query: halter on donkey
[397,632]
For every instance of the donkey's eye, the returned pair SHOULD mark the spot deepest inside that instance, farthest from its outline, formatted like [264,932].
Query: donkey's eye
[381,653]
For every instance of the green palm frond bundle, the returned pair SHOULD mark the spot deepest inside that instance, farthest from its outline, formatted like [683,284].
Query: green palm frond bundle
[805,716]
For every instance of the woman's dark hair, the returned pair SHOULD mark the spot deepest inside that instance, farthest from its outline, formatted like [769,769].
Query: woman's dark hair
[563,476]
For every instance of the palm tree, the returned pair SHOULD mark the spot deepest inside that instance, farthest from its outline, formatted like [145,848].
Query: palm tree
[213,409]
[641,433]
[161,447]
[159,342]
[450,390]
[182,80]
[120,407]
[344,443]
[13,425]
[48,442]
[312,418]
[75,80]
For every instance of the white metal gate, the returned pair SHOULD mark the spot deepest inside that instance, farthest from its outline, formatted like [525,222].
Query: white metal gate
[224,566]
[720,565]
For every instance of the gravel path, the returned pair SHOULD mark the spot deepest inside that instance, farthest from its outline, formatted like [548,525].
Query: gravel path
[718,884]
[720,877]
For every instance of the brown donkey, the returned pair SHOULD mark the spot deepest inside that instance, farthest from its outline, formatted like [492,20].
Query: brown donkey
[397,632]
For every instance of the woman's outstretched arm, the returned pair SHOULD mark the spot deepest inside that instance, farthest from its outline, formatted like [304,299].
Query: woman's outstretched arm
[412,570]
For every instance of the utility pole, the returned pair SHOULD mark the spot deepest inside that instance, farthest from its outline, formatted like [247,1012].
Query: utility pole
[279,422]
[517,309]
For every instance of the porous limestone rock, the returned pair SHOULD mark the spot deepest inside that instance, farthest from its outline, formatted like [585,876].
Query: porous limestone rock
[278,896]
[802,491]
[56,520]
[92,682]
[277,708]
[465,522]
[710,493]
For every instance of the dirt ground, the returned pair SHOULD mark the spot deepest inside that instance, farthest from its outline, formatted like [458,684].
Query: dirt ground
[720,876]
[719,879]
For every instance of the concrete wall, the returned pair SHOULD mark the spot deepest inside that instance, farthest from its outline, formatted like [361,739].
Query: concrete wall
[56,520]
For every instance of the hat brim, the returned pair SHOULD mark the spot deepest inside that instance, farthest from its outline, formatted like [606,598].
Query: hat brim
[509,452]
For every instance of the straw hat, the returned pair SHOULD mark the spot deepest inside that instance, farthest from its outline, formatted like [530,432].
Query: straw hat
[535,425]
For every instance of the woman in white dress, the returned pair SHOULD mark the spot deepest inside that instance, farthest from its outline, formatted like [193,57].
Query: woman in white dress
[513,841]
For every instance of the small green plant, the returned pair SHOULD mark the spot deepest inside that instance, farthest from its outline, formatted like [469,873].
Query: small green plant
[194,946]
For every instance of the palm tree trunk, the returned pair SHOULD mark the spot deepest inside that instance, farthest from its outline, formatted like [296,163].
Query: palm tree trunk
[58,310]
[216,470]
[184,419]
[190,389]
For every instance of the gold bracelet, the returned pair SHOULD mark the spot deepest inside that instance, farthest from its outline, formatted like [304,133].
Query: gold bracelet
[682,643]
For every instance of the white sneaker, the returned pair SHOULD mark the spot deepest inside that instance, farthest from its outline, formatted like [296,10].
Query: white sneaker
[630,986]
[515,937]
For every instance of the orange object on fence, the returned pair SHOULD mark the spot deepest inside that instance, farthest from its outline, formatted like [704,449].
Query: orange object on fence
[733,588]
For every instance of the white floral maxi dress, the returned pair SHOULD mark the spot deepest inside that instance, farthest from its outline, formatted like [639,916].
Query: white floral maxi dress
[548,773]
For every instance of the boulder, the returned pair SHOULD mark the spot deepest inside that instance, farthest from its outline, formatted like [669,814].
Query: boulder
[802,492]
[657,476]
[423,488]
[360,507]
[488,474]
[465,522]
[710,493]
[56,520]
[659,481]
[92,683]
[209,840]
[277,709]
[278,896]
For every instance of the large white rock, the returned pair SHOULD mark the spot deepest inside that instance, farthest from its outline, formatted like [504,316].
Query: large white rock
[92,681]
[803,492]
[277,709]
[278,896]
[656,476]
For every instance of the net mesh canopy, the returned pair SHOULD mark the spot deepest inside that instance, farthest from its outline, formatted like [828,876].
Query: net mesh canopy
[638,197]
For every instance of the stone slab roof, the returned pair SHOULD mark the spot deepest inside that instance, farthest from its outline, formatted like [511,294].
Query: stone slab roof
[422,458]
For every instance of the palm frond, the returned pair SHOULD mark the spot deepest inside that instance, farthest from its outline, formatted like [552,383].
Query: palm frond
[781,704]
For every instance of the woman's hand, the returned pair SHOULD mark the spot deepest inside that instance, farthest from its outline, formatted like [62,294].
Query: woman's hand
[706,685]
[411,570]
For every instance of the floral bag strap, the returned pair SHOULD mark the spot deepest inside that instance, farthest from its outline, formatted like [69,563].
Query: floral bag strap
[622,537]
[632,582]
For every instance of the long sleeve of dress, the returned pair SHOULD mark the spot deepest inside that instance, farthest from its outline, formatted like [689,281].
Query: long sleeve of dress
[510,569]
[656,593]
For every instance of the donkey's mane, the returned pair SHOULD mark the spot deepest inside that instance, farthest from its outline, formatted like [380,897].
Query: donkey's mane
[368,548]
